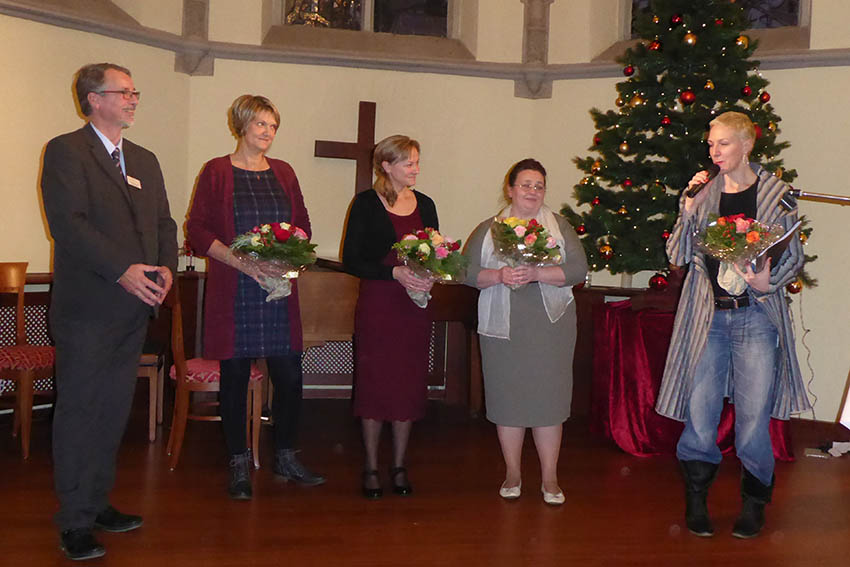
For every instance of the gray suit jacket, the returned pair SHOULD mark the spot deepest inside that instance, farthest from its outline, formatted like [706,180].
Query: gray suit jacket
[101,225]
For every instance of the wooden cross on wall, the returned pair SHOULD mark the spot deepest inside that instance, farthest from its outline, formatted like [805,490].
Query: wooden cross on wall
[360,151]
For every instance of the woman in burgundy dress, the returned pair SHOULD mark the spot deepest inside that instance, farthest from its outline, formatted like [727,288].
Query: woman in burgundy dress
[391,332]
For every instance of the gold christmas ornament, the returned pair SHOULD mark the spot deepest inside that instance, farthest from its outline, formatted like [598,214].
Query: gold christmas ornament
[771,126]
[585,181]
[803,238]
[636,100]
[690,39]
[607,252]
[709,85]
[778,173]
[624,147]
[619,101]
[742,41]
[596,167]
[655,19]
[622,211]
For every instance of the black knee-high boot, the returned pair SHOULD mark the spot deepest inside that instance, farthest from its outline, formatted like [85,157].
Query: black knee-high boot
[698,477]
[754,496]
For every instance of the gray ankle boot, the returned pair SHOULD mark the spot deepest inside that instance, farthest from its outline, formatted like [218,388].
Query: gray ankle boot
[287,465]
[239,485]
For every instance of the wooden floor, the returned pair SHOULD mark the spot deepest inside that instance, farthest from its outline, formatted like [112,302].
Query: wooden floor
[620,510]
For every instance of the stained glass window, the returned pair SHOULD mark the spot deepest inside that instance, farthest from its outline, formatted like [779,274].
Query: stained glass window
[407,17]
[762,13]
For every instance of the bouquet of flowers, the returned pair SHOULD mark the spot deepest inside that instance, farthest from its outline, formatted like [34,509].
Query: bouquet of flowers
[521,241]
[736,239]
[279,251]
[430,255]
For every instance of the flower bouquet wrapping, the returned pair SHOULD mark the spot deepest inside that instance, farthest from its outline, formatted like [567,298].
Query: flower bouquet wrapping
[279,252]
[524,242]
[429,254]
[735,240]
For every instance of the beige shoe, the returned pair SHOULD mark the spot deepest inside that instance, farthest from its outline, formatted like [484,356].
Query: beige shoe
[511,493]
[554,499]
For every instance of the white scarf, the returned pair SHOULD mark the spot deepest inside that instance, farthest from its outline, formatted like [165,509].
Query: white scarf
[494,302]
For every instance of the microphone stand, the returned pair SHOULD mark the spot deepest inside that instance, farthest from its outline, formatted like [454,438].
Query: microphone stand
[820,197]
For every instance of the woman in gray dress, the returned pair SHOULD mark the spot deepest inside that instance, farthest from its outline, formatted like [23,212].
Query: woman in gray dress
[528,333]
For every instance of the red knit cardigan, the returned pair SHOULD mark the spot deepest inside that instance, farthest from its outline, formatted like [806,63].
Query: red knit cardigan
[211,217]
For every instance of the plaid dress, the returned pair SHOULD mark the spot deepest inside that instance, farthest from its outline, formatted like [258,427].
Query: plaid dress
[262,329]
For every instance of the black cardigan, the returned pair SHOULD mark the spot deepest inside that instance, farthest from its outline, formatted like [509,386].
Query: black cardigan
[369,234]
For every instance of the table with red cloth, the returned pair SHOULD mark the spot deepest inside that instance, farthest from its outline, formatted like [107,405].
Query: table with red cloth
[630,348]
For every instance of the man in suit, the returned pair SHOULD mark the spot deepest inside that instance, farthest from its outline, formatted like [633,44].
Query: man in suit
[115,253]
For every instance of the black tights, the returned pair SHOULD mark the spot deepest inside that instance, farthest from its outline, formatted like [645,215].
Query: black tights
[286,376]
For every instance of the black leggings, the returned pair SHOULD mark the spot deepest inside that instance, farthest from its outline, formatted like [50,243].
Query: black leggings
[286,376]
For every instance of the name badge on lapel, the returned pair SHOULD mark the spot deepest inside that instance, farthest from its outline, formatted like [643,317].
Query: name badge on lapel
[133,182]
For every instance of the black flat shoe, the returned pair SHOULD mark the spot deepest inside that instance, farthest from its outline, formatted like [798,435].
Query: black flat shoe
[80,544]
[371,493]
[403,488]
[111,520]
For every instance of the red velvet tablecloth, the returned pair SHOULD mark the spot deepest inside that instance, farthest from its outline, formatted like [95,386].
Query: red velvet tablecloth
[630,348]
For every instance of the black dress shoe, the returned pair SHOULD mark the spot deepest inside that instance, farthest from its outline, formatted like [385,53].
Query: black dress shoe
[371,493]
[402,488]
[111,520]
[79,544]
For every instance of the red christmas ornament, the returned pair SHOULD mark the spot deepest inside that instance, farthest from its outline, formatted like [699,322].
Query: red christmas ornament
[758,131]
[581,229]
[627,182]
[687,97]
[658,282]
[676,19]
[597,140]
[665,235]
[718,22]
[628,70]
[764,97]
[655,45]
[747,90]
[665,121]
[795,287]
[595,201]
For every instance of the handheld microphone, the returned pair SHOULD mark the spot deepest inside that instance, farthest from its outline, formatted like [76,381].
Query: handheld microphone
[713,170]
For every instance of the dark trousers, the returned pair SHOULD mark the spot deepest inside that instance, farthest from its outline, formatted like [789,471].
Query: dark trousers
[96,371]
[286,376]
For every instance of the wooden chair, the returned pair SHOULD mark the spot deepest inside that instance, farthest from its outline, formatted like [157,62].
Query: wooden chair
[202,375]
[152,367]
[22,363]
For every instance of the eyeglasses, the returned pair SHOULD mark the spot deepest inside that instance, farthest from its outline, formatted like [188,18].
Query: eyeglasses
[529,186]
[126,93]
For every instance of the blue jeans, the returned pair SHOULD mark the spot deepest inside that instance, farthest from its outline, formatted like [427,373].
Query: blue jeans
[745,341]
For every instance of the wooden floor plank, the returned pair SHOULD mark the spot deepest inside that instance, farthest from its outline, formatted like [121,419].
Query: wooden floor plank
[620,509]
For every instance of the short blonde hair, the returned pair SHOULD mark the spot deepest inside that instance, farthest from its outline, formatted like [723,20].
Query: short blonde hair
[392,150]
[739,122]
[245,108]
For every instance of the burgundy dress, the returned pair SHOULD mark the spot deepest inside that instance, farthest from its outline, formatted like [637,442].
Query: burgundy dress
[391,345]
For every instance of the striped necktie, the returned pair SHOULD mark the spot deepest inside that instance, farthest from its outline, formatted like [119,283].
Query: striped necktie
[116,158]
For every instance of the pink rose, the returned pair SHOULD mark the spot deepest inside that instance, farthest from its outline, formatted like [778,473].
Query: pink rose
[551,242]
[742,225]
[300,234]
[519,230]
[442,252]
[410,237]
[530,239]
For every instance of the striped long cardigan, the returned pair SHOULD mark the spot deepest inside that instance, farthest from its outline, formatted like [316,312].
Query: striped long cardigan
[696,306]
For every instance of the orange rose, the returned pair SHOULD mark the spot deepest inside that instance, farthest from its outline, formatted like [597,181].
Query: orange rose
[753,236]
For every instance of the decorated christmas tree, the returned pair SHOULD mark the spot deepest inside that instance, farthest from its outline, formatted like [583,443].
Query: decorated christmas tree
[691,64]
